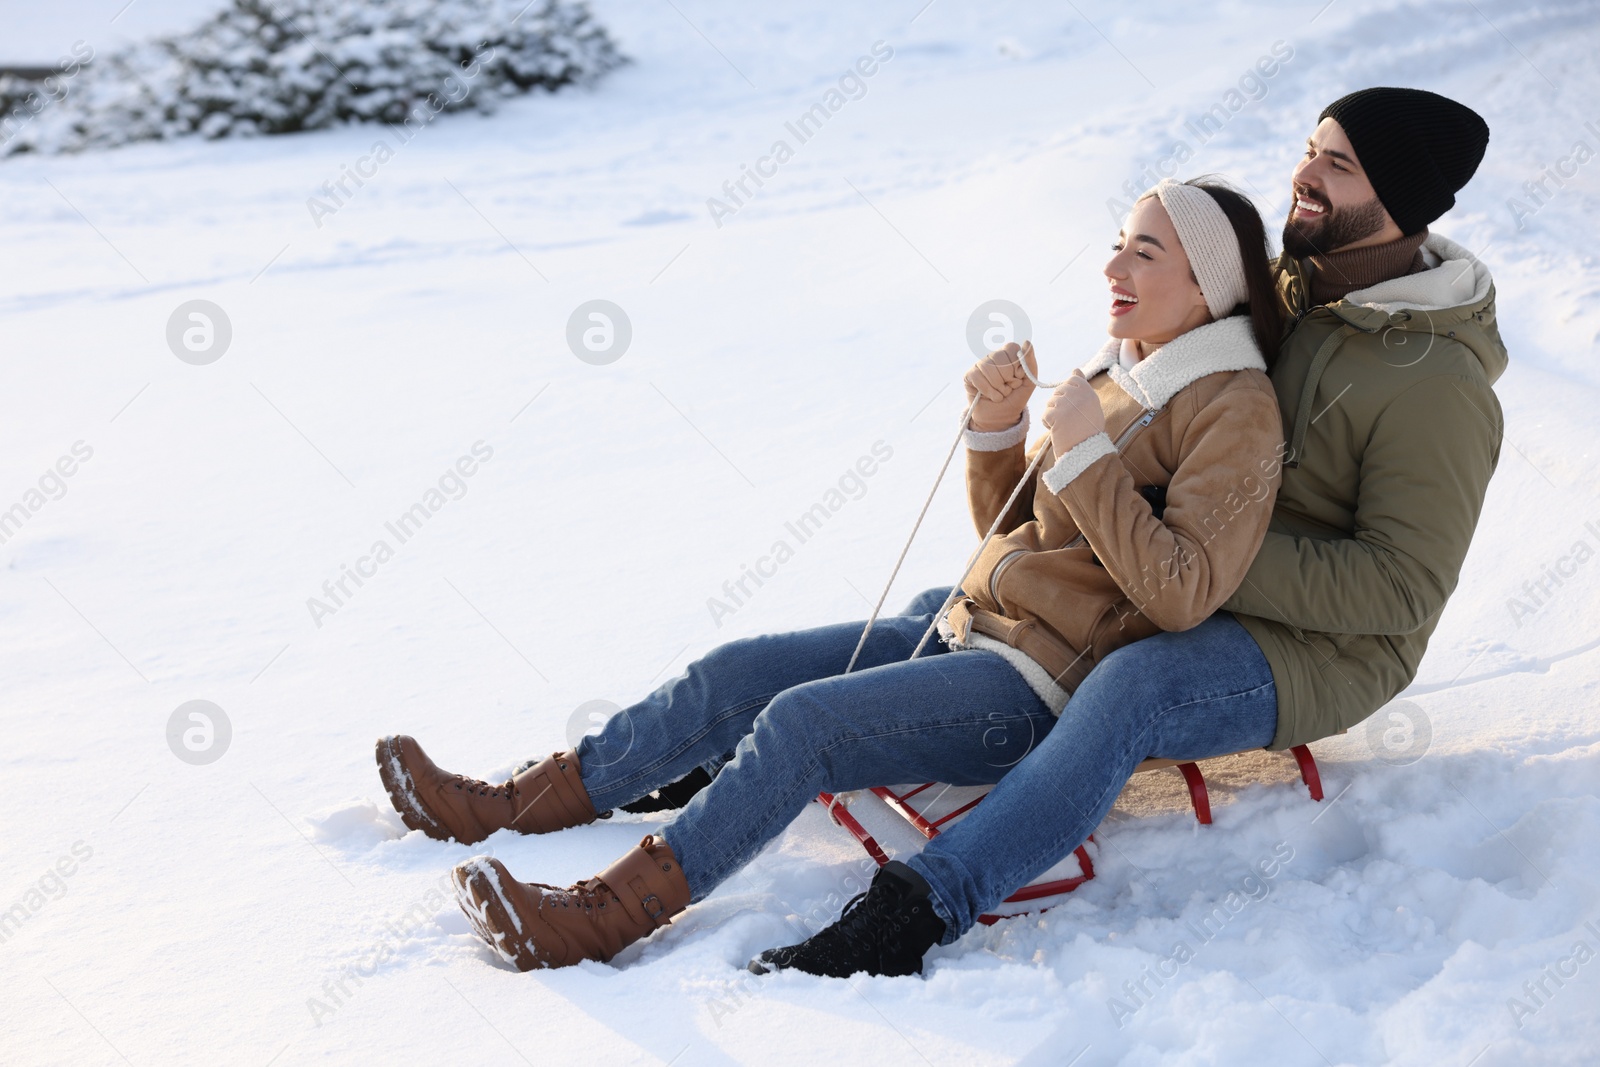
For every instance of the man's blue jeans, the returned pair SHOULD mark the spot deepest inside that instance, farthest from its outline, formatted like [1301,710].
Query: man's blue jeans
[797,726]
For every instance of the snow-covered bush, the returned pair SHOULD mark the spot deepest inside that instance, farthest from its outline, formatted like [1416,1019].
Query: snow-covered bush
[281,66]
[20,101]
[25,98]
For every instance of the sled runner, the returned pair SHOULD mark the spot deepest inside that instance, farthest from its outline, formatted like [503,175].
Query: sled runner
[1196,781]
[892,822]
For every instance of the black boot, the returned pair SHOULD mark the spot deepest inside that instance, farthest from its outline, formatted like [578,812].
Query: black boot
[671,797]
[884,931]
[667,798]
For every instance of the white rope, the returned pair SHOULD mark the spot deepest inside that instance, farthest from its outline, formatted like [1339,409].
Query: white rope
[971,560]
[1034,378]
[938,617]
[878,607]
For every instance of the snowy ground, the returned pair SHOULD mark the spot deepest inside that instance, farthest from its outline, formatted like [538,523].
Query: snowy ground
[265,907]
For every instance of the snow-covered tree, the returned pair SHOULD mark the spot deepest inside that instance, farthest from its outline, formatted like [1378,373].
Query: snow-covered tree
[281,66]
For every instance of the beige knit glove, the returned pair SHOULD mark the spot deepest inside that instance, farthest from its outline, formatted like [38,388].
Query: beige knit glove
[1073,414]
[999,379]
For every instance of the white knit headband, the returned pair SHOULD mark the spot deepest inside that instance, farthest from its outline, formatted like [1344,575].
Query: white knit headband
[1208,238]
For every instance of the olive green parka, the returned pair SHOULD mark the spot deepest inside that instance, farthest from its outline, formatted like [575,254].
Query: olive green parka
[1393,431]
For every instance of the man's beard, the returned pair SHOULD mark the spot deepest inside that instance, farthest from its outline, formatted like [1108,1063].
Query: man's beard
[1336,229]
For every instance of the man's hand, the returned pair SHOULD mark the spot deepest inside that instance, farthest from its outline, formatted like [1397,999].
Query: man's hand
[1073,414]
[999,379]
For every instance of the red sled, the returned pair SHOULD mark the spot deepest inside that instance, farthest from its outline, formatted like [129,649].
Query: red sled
[892,822]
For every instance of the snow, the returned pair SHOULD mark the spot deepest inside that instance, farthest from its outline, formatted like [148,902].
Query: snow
[267,906]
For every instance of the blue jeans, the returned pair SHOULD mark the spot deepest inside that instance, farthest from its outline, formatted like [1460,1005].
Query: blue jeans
[797,727]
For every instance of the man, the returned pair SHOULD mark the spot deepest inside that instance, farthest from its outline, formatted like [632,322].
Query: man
[1393,430]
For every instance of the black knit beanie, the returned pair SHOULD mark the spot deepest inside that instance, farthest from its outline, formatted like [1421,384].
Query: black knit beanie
[1417,148]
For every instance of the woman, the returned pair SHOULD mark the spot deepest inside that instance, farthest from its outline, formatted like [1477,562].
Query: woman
[1153,493]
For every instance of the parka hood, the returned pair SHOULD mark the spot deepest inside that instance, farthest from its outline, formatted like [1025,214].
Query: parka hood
[1455,278]
[1453,298]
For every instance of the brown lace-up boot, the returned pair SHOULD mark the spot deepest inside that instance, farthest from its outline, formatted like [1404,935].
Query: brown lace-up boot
[547,796]
[536,926]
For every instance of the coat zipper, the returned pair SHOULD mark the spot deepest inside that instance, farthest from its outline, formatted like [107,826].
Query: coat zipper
[1127,435]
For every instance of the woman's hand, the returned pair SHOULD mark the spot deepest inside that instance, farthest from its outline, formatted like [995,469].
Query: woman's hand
[999,379]
[1073,414]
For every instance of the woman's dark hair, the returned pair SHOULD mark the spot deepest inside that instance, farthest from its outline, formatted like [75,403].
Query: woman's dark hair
[1261,298]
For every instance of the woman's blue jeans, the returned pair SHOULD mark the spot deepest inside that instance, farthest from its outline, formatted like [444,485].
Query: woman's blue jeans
[797,726]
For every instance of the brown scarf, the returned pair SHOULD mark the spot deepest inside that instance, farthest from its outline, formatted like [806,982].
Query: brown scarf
[1337,274]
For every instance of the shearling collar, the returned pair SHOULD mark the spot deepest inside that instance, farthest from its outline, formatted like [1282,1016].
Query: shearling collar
[1224,345]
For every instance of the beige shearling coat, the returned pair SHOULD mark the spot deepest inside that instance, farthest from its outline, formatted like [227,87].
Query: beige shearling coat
[1082,564]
